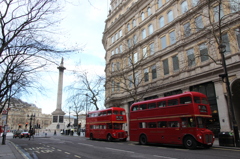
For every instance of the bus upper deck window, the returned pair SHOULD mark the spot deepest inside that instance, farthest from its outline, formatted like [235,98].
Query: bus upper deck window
[185,100]
[161,104]
[115,112]
[151,105]
[204,101]
[143,106]
[135,108]
[122,113]
[109,112]
[197,100]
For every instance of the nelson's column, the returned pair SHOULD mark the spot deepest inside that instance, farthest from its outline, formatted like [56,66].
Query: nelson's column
[58,114]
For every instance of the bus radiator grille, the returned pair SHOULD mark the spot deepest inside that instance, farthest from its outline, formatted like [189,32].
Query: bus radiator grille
[121,135]
[208,138]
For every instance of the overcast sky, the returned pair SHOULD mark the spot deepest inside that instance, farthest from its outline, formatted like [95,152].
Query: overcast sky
[83,24]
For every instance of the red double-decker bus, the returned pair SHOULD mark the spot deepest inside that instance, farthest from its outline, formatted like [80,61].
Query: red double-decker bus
[106,124]
[179,119]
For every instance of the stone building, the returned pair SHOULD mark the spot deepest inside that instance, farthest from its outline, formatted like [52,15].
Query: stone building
[20,113]
[157,48]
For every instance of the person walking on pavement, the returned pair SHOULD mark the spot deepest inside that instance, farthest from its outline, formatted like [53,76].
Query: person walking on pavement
[31,133]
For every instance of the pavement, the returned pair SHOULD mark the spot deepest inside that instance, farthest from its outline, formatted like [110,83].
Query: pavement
[11,151]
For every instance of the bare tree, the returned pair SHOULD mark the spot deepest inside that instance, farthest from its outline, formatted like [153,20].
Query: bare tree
[86,86]
[26,44]
[127,75]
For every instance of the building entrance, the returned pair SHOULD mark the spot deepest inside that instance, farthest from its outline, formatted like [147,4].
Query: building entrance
[235,87]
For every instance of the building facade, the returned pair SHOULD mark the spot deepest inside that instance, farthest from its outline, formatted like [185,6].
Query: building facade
[19,116]
[157,48]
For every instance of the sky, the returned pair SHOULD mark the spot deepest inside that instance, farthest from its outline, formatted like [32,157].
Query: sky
[83,24]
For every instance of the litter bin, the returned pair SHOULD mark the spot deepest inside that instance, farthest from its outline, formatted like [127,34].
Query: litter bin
[226,139]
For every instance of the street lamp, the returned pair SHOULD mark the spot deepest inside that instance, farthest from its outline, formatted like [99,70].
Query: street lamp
[86,103]
[69,116]
[222,50]
[31,117]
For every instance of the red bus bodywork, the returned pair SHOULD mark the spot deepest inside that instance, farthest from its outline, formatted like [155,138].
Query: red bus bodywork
[106,124]
[178,119]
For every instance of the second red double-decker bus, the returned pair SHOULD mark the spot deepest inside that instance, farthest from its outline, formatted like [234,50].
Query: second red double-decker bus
[106,124]
[178,119]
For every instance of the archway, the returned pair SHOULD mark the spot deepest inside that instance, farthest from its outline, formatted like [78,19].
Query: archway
[236,102]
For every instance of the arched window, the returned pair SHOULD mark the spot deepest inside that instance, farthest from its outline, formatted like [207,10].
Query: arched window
[161,22]
[134,23]
[184,6]
[142,16]
[128,27]
[143,34]
[149,11]
[170,16]
[150,29]
[159,3]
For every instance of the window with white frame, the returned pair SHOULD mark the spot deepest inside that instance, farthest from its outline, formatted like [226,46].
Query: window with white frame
[112,52]
[144,51]
[129,43]
[191,57]
[112,39]
[216,13]
[118,86]
[195,2]
[113,86]
[128,27]
[238,36]
[170,16]
[163,42]
[150,29]
[130,81]
[143,34]
[187,29]
[175,63]
[135,57]
[199,23]
[172,37]
[159,3]
[225,41]
[116,36]
[203,52]
[234,5]
[152,50]
[161,22]
[149,11]
[116,50]
[113,65]
[130,61]
[134,23]
[184,6]
[154,72]
[142,16]
[120,49]
[165,67]
[137,78]
[120,33]
[146,72]
[134,39]
[118,66]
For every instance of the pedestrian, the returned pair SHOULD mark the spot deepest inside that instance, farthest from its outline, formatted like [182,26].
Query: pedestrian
[31,133]
[55,133]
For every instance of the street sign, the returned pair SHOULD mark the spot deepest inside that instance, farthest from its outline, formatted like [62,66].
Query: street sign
[4,112]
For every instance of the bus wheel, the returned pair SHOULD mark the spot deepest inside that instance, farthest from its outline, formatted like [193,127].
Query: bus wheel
[91,137]
[143,140]
[190,143]
[109,138]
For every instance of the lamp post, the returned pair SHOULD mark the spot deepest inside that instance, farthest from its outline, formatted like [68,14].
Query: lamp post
[86,103]
[31,117]
[69,115]
[222,50]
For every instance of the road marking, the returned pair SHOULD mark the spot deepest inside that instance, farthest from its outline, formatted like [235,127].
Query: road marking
[77,156]
[118,150]
[67,153]
[226,149]
[59,150]
[85,144]
[164,157]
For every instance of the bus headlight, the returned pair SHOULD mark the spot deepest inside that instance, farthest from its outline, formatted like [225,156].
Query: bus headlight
[114,134]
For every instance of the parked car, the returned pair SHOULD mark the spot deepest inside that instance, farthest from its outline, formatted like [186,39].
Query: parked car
[25,135]
[17,133]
